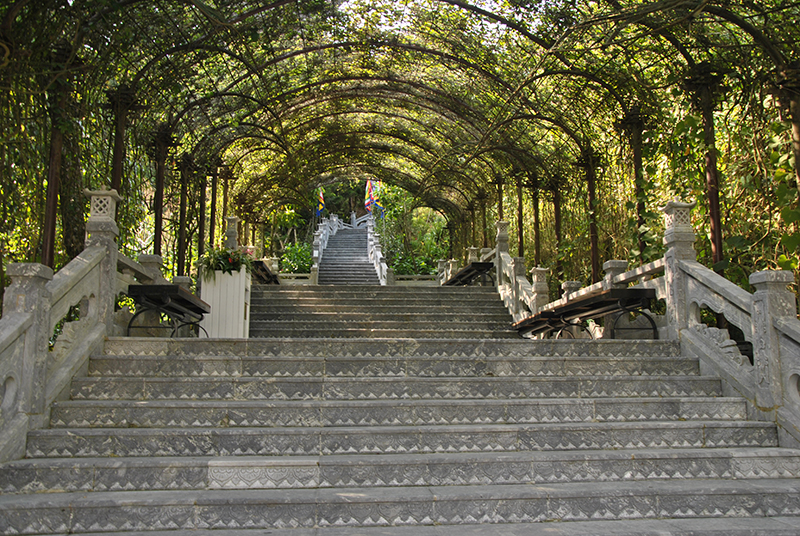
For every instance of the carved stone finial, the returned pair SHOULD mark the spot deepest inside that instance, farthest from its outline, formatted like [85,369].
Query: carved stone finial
[103,203]
[677,214]
[232,233]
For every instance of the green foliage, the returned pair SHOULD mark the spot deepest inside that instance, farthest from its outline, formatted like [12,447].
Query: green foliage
[438,100]
[297,258]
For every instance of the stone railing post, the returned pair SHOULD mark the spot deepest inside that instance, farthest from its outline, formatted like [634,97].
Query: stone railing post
[770,300]
[390,279]
[152,265]
[452,268]
[518,269]
[570,287]
[28,294]
[612,269]
[472,255]
[274,265]
[232,233]
[679,238]
[353,219]
[502,247]
[541,292]
[316,253]
[102,231]
[441,271]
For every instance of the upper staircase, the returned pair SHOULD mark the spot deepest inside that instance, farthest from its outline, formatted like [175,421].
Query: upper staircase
[346,260]
[311,427]
[373,311]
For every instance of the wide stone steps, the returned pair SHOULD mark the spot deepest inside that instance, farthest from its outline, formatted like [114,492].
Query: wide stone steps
[389,388]
[374,471]
[312,441]
[419,505]
[226,414]
[329,436]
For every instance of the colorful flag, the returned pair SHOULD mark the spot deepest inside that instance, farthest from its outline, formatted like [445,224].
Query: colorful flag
[320,202]
[376,195]
[369,196]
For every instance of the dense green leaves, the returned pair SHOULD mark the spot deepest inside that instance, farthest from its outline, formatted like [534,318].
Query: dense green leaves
[441,99]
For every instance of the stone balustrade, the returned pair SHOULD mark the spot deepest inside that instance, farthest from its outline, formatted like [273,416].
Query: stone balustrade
[375,251]
[766,317]
[80,301]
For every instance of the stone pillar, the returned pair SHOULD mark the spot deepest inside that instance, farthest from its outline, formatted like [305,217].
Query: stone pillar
[502,247]
[232,233]
[274,265]
[570,287]
[679,238]
[102,231]
[316,254]
[353,219]
[390,280]
[541,292]
[518,269]
[770,300]
[472,255]
[153,265]
[441,271]
[452,268]
[612,269]
[183,281]
[28,294]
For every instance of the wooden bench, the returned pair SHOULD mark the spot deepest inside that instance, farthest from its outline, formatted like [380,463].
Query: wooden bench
[470,273]
[180,306]
[576,311]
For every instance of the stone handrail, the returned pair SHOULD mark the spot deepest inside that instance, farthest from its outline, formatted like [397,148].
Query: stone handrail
[31,375]
[375,252]
[355,223]
[326,228]
[767,317]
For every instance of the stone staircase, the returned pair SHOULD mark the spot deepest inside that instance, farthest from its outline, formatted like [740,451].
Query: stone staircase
[298,435]
[379,312]
[346,260]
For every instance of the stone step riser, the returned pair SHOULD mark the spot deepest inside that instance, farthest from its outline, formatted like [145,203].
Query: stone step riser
[99,474]
[132,442]
[257,325]
[475,312]
[388,389]
[268,314]
[462,292]
[80,414]
[175,366]
[445,304]
[383,333]
[556,350]
[263,509]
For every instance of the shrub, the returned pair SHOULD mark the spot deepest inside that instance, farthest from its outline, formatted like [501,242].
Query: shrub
[297,259]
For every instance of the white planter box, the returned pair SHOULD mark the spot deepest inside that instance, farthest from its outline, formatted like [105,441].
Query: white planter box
[229,298]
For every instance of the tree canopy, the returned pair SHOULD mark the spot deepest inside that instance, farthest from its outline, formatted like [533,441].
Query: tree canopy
[573,119]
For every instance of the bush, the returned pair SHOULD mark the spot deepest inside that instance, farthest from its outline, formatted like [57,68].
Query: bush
[413,265]
[297,259]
